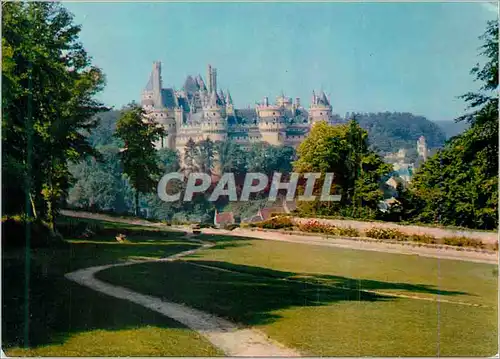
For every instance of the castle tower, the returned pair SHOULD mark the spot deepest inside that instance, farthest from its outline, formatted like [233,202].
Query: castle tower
[272,124]
[320,109]
[214,123]
[284,101]
[422,148]
[296,104]
[151,96]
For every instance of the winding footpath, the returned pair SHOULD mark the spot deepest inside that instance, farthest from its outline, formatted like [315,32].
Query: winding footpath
[226,336]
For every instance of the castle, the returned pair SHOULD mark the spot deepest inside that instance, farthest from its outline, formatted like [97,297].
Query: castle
[201,111]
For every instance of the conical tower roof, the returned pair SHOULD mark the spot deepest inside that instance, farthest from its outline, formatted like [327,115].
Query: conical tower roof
[229,100]
[324,99]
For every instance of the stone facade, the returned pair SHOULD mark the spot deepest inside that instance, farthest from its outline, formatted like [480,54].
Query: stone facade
[201,111]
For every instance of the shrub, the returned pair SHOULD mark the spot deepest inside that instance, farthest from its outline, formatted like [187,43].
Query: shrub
[385,233]
[348,232]
[314,226]
[463,242]
[275,223]
[422,238]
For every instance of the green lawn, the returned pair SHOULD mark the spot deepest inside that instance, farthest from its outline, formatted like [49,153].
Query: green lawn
[315,298]
[67,319]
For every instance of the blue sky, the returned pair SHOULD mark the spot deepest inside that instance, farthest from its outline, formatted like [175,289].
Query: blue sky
[367,57]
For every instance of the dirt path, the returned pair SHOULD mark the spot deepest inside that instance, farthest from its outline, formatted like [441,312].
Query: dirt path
[228,337]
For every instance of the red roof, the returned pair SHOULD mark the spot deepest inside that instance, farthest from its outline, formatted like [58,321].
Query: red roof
[224,218]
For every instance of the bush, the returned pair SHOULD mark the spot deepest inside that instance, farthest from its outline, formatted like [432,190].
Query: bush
[463,242]
[347,232]
[385,233]
[275,223]
[422,238]
[314,226]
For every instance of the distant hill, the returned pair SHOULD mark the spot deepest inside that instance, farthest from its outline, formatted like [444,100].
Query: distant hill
[452,128]
[390,131]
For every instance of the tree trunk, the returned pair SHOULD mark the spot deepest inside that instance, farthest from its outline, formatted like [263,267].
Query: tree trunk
[137,203]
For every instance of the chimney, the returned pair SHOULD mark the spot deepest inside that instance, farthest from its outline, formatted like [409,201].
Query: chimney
[297,102]
[214,79]
[266,101]
[156,79]
[209,78]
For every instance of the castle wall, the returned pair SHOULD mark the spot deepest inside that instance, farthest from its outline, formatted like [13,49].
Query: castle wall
[201,114]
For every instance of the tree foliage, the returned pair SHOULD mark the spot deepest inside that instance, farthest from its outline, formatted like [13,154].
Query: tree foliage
[48,89]
[139,158]
[344,150]
[459,185]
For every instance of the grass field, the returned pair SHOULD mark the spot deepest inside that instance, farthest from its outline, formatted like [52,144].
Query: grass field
[334,302]
[320,300]
[67,319]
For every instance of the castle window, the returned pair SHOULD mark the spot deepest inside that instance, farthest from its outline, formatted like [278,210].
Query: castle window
[321,113]
[274,113]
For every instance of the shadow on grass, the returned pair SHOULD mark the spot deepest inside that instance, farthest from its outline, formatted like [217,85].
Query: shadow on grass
[332,280]
[244,294]
[58,307]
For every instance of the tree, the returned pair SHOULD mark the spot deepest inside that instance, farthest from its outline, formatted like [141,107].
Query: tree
[231,157]
[49,85]
[459,184]
[101,184]
[343,150]
[139,158]
[205,156]
[190,155]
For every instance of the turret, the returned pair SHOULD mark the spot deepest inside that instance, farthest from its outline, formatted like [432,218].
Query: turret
[422,147]
[151,96]
[320,109]
[214,123]
[272,125]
